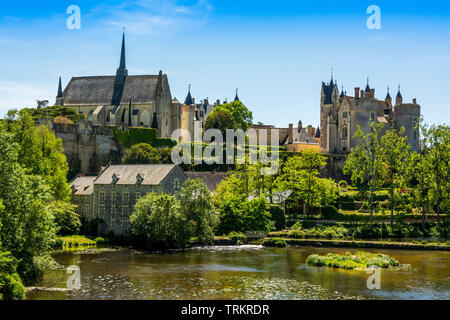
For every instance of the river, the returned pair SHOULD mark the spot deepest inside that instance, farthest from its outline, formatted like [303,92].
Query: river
[246,272]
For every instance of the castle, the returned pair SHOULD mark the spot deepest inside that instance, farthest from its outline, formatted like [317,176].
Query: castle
[340,116]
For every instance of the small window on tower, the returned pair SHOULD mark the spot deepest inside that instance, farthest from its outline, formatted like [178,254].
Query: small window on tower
[344,114]
[372,116]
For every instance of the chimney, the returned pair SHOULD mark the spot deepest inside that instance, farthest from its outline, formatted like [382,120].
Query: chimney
[372,93]
[361,94]
[291,133]
[218,102]
[357,93]
[414,101]
[310,130]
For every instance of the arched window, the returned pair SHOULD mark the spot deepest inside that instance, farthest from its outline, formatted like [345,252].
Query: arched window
[344,133]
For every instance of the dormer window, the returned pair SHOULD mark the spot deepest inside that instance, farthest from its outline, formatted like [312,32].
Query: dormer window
[140,178]
[115,178]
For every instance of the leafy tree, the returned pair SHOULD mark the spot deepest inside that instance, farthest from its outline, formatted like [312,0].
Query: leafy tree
[395,157]
[41,153]
[197,205]
[53,112]
[158,222]
[437,142]
[11,287]
[243,118]
[220,119]
[66,219]
[364,161]
[301,175]
[28,228]
[144,153]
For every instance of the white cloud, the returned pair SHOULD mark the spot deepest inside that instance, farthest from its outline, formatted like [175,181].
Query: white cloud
[20,95]
[152,16]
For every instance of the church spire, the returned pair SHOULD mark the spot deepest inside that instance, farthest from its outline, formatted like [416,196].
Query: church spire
[122,54]
[236,98]
[188,100]
[59,95]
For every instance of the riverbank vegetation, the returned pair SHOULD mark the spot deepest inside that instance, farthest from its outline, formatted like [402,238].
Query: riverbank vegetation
[34,197]
[358,260]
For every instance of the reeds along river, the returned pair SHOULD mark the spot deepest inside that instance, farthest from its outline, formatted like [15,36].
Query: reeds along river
[247,272]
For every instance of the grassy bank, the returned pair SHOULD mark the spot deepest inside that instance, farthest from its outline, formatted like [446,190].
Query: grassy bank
[74,241]
[368,244]
[358,260]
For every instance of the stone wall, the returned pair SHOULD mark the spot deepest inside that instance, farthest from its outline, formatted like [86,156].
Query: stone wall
[87,146]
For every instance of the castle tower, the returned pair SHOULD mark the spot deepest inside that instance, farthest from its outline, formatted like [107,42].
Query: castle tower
[399,98]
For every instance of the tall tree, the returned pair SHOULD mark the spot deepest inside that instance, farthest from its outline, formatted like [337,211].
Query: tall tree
[437,140]
[395,156]
[364,161]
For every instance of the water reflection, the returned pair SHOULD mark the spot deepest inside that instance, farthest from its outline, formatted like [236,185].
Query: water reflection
[247,272]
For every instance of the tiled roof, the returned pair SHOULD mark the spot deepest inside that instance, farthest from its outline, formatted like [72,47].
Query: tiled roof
[83,185]
[98,90]
[127,174]
[211,179]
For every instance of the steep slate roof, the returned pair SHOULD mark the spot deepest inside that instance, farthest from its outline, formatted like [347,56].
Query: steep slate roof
[328,91]
[98,90]
[303,137]
[83,185]
[211,179]
[153,174]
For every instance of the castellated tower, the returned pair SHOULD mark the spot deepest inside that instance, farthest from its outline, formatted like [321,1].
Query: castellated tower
[340,116]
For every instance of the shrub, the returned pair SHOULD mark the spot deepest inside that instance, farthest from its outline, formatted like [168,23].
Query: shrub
[237,238]
[343,184]
[100,240]
[352,261]
[274,242]
[330,212]
[278,217]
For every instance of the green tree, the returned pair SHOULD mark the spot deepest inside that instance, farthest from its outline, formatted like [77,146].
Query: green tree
[144,153]
[28,227]
[11,287]
[66,219]
[364,161]
[41,153]
[220,119]
[437,142]
[243,118]
[197,205]
[300,174]
[395,156]
[158,222]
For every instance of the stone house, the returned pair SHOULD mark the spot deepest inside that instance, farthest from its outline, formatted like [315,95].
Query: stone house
[114,192]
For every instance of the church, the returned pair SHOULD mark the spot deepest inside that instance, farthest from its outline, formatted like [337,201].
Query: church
[124,100]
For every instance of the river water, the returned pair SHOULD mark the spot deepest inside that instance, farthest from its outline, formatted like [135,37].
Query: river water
[245,272]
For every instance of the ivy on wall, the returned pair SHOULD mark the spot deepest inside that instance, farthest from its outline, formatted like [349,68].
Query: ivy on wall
[133,136]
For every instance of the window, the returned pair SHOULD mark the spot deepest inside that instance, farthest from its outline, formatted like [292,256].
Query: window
[124,210]
[113,208]
[415,135]
[344,133]
[176,184]
[102,209]
[113,197]
[344,114]
[372,116]
[125,197]
[138,195]
[102,196]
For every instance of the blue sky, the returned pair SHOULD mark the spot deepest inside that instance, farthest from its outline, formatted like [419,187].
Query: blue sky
[276,52]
